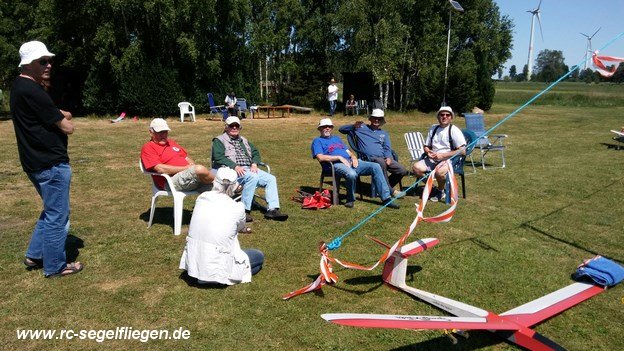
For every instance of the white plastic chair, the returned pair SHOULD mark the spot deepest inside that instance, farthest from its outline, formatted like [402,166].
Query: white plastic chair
[186,109]
[178,198]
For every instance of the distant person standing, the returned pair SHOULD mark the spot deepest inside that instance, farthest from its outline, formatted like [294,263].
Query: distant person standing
[41,130]
[332,96]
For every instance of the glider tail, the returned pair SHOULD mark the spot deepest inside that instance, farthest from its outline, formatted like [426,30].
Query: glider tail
[395,267]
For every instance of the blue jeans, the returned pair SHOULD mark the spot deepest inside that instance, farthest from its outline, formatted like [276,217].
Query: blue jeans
[50,233]
[256,259]
[250,181]
[332,107]
[351,174]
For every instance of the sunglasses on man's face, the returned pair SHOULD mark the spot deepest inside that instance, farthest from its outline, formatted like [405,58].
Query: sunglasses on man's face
[45,62]
[445,115]
[234,126]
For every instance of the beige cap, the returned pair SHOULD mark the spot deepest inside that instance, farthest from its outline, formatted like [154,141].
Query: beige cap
[232,119]
[159,124]
[325,122]
[31,51]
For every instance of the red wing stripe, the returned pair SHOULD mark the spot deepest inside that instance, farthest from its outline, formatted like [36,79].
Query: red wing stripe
[417,322]
[554,303]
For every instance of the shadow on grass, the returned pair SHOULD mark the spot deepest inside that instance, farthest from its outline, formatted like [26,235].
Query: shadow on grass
[192,282]
[477,340]
[616,147]
[164,215]
[72,244]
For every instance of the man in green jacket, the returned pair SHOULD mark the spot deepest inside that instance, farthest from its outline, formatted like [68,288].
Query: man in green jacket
[232,150]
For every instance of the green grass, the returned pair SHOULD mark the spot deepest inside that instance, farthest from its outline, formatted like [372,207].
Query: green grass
[519,235]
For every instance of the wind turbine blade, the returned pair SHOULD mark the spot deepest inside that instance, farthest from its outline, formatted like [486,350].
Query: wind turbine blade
[539,21]
[585,35]
[538,5]
[595,33]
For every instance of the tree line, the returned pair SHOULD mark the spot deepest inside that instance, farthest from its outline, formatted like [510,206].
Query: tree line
[550,66]
[144,56]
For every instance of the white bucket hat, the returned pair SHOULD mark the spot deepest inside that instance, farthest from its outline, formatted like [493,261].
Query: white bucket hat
[159,124]
[225,181]
[446,109]
[325,122]
[232,119]
[31,51]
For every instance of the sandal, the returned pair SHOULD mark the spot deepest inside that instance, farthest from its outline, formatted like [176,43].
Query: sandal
[71,268]
[33,263]
[246,230]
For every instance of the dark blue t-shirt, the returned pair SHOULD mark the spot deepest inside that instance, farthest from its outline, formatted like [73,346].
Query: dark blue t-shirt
[41,144]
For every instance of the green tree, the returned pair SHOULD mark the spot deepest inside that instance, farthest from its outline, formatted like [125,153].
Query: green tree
[512,72]
[550,65]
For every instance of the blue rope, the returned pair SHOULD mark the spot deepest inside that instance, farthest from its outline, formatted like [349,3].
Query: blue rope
[337,242]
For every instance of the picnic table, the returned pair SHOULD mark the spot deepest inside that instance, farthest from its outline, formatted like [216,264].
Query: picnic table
[271,111]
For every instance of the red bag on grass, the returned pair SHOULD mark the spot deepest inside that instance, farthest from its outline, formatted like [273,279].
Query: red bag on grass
[314,201]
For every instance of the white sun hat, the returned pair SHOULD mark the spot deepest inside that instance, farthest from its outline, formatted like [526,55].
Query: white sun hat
[31,51]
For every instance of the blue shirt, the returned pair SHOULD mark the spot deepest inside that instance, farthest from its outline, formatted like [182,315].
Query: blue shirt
[332,146]
[371,142]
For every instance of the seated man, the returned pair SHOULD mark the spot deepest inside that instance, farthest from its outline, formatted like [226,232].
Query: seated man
[442,142]
[350,106]
[230,104]
[232,150]
[331,149]
[374,143]
[165,156]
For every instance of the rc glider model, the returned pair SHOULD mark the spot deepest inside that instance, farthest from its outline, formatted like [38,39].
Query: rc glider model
[513,325]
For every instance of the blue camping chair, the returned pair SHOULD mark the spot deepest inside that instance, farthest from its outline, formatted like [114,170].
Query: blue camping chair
[475,124]
[216,109]
[241,106]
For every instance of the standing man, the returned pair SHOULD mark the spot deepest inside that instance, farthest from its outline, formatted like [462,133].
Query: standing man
[374,143]
[232,150]
[41,130]
[329,148]
[164,156]
[332,96]
[442,142]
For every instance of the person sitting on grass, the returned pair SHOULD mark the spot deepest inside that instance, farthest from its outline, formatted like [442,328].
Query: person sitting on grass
[329,148]
[164,156]
[443,141]
[232,150]
[212,253]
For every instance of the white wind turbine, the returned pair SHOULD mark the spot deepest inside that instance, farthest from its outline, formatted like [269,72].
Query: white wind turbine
[534,13]
[588,51]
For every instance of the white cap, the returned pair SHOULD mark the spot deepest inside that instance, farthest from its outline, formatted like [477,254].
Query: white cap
[378,113]
[325,122]
[159,124]
[446,109]
[226,174]
[232,119]
[31,51]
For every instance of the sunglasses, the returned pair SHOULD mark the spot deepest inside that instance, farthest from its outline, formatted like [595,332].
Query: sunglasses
[234,126]
[45,62]
[445,115]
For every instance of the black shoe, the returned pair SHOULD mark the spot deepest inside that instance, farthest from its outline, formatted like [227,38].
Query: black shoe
[349,204]
[32,263]
[275,215]
[390,204]
[248,217]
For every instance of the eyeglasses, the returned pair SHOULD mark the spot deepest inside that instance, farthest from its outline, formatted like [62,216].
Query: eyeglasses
[234,126]
[45,62]
[444,115]
[323,127]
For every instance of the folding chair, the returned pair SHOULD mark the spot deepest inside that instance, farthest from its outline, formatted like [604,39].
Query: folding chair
[216,109]
[475,123]
[361,105]
[178,198]
[327,170]
[415,145]
[241,106]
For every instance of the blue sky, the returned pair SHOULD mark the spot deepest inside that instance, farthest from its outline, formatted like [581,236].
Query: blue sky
[562,21]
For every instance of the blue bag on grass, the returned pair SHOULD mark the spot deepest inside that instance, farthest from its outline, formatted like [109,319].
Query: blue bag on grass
[601,270]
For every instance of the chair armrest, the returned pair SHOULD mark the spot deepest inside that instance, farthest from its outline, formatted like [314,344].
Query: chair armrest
[268,168]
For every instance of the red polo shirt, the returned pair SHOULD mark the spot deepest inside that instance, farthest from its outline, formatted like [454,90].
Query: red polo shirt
[153,154]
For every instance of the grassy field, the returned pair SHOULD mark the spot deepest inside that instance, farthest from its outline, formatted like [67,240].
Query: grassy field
[519,235]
